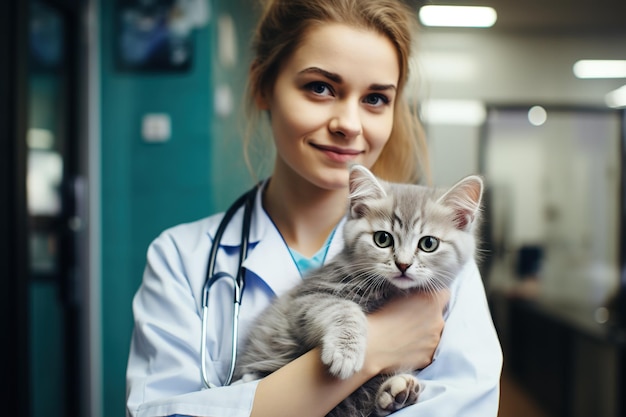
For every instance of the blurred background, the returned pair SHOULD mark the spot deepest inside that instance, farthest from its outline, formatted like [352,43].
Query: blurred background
[121,118]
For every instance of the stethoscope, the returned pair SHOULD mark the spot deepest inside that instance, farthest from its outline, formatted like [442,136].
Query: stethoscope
[247,201]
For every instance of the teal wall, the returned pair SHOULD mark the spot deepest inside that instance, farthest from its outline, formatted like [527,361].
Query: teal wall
[149,187]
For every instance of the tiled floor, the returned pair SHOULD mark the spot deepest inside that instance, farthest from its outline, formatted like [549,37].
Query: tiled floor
[515,402]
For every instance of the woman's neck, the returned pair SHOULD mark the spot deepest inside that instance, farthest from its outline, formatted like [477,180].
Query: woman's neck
[304,214]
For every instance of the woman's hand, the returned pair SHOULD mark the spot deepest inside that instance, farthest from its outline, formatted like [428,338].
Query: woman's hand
[404,334]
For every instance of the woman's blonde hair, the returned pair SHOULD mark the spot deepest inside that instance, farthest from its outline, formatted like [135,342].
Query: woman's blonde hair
[283,25]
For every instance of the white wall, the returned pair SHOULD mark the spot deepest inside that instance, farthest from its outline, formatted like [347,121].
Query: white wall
[453,152]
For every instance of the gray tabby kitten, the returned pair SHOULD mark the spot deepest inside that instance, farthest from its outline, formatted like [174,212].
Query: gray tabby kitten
[398,238]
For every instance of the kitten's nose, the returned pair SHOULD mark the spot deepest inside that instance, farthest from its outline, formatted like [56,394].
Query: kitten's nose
[402,267]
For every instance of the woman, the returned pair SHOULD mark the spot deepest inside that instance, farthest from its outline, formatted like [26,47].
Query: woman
[330,75]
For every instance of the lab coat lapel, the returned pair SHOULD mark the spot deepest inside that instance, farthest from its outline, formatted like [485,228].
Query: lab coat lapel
[270,260]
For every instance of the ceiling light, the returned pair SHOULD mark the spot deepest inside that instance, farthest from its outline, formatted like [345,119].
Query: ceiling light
[537,115]
[458,16]
[616,98]
[454,112]
[596,68]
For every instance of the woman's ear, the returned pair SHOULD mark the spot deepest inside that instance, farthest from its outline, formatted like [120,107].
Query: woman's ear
[260,96]
[261,101]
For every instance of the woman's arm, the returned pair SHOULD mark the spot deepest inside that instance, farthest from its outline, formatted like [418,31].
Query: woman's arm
[303,388]
[404,334]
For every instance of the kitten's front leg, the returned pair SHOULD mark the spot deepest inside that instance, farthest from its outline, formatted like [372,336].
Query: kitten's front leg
[397,392]
[345,342]
[339,327]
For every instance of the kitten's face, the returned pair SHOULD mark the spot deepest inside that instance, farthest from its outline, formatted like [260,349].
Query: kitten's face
[411,235]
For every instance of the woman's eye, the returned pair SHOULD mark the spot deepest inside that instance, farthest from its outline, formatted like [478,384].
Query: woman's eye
[319,88]
[376,100]
[428,244]
[383,239]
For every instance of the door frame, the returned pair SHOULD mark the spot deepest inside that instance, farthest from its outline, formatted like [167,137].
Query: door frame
[14,319]
[15,275]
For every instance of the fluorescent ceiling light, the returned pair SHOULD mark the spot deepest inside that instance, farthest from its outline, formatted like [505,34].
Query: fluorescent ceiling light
[616,98]
[458,16]
[596,68]
[449,66]
[454,112]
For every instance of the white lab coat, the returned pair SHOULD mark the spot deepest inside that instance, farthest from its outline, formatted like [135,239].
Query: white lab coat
[163,374]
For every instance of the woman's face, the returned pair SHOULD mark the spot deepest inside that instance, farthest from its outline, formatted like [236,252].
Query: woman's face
[332,104]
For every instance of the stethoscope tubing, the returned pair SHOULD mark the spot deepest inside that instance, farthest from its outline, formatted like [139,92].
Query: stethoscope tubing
[247,201]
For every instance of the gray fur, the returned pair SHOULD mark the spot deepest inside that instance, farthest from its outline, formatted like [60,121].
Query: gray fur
[328,309]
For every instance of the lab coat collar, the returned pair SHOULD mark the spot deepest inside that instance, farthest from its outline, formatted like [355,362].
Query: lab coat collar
[271,260]
[232,234]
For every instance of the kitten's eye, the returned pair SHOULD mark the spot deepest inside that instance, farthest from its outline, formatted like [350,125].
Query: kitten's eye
[383,239]
[428,244]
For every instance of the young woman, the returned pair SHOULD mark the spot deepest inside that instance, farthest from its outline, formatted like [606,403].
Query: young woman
[330,76]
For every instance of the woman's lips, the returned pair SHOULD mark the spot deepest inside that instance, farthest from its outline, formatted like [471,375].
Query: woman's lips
[338,154]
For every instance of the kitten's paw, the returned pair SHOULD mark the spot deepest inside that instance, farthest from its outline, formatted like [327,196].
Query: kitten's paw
[397,392]
[344,357]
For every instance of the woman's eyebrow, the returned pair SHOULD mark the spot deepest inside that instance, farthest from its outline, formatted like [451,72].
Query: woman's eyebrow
[330,75]
[382,87]
[338,79]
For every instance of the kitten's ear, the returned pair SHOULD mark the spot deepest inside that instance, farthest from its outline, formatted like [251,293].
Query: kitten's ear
[364,187]
[464,197]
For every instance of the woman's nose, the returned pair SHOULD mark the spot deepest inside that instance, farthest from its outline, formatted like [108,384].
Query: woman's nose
[346,120]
